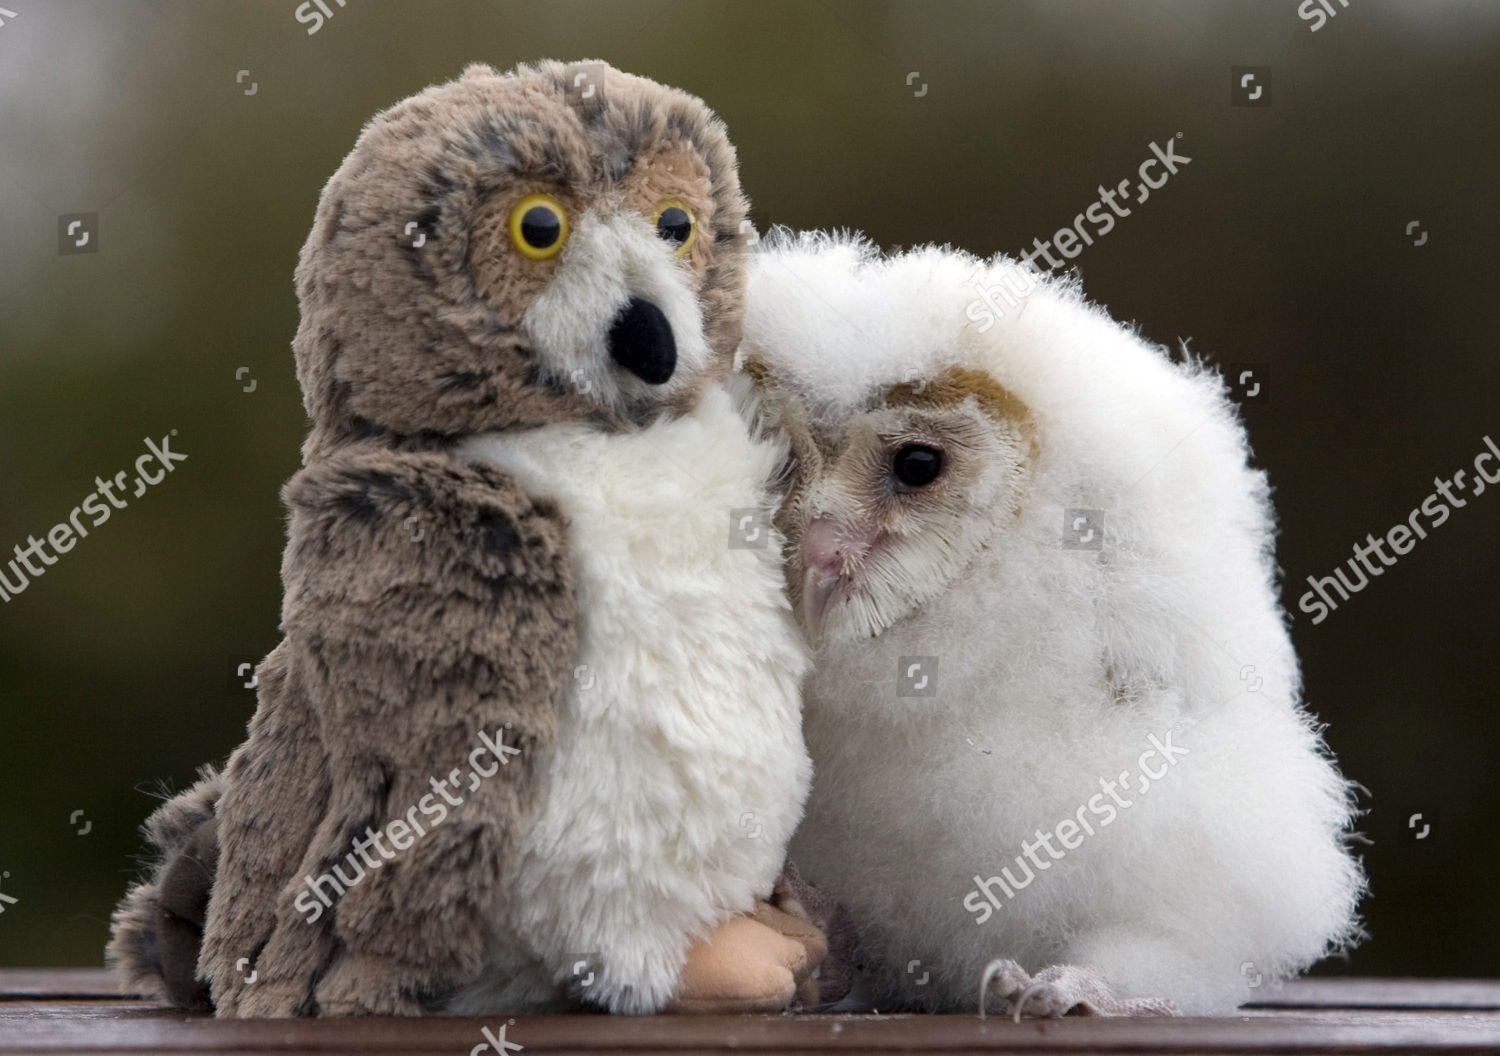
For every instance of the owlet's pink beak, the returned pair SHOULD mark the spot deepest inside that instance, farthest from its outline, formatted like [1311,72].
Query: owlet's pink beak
[830,552]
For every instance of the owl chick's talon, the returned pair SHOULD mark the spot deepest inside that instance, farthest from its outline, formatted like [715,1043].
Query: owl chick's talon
[1006,976]
[1062,990]
[1018,1008]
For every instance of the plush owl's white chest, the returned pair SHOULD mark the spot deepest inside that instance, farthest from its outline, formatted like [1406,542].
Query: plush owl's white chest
[679,761]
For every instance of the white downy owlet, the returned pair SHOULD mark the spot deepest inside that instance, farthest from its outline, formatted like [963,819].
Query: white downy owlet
[1059,746]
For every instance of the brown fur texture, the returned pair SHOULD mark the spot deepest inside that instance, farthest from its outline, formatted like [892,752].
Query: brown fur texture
[158,928]
[400,341]
[426,599]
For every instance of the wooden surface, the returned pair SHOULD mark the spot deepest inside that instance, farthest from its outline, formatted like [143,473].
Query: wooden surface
[77,1011]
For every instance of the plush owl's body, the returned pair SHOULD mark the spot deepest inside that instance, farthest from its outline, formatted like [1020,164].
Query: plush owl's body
[1055,718]
[682,773]
[509,731]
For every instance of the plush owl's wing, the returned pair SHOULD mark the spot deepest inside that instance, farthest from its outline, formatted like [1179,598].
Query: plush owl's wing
[430,626]
[436,602]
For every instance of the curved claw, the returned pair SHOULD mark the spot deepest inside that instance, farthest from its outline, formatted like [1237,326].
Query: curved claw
[1020,1002]
[990,971]
[995,968]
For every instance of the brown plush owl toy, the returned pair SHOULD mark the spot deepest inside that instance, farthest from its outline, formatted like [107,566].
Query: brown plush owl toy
[532,736]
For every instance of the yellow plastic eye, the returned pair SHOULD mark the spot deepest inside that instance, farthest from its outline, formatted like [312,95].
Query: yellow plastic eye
[538,226]
[675,225]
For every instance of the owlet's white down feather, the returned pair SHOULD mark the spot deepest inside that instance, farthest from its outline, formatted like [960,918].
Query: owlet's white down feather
[1056,719]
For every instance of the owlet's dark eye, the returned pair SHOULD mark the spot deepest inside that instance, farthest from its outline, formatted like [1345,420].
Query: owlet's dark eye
[675,225]
[917,465]
[538,226]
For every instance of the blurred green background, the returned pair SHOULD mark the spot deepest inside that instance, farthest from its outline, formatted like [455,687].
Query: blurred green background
[1282,244]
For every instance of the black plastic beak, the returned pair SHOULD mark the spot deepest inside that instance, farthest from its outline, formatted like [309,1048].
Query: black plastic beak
[640,340]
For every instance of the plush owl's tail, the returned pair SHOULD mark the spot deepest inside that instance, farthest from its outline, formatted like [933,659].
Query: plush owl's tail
[157,929]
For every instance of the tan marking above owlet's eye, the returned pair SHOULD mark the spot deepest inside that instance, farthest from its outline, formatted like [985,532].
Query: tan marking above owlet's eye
[957,384]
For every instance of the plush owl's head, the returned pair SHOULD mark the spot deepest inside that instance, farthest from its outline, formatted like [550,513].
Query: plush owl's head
[910,451]
[564,241]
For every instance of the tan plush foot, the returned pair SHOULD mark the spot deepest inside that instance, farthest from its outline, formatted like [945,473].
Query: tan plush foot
[796,928]
[742,966]
[800,930]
